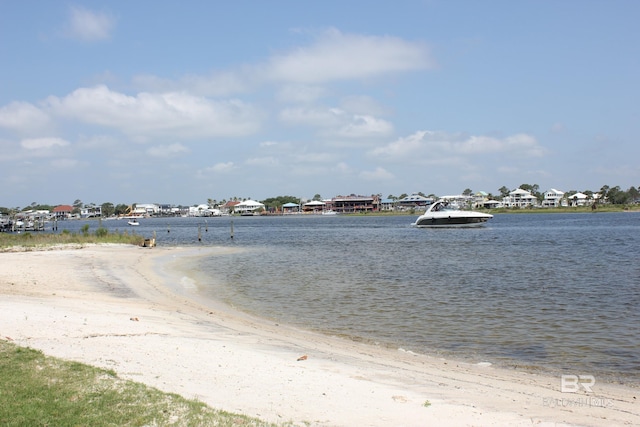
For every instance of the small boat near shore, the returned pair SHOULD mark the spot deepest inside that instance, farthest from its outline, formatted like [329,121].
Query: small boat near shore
[133,222]
[443,215]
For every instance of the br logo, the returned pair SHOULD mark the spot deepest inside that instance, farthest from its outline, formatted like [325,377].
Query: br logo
[573,383]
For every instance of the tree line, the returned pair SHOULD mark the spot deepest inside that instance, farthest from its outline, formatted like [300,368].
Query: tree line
[614,195]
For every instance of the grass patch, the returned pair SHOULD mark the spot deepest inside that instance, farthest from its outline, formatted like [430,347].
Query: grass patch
[39,239]
[37,390]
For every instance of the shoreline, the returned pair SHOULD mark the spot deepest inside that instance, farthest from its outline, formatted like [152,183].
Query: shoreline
[129,309]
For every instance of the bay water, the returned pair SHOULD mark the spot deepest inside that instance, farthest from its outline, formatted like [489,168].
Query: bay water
[541,292]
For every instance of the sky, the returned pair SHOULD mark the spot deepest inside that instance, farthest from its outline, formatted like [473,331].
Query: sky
[182,102]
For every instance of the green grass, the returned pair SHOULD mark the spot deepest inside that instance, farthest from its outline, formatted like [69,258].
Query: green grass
[34,240]
[577,209]
[36,390]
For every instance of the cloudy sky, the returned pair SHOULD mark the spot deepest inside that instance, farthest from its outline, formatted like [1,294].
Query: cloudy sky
[179,102]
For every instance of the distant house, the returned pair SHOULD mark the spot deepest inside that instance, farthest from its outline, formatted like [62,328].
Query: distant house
[203,210]
[248,207]
[290,208]
[229,206]
[460,200]
[146,209]
[387,204]
[519,198]
[578,199]
[62,211]
[314,206]
[90,211]
[413,201]
[479,198]
[553,198]
[353,203]
[492,204]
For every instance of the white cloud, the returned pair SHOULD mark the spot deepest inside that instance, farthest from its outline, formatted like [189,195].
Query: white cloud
[316,116]
[402,147]
[221,168]
[43,143]
[379,174]
[263,161]
[366,126]
[214,84]
[157,115]
[424,144]
[89,26]
[167,150]
[337,122]
[339,56]
[23,117]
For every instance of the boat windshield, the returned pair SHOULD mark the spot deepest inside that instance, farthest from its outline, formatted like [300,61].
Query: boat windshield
[443,206]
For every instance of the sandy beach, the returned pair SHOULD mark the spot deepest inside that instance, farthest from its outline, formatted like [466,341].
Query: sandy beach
[131,310]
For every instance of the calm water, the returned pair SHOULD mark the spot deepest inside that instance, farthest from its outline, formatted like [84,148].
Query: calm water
[557,292]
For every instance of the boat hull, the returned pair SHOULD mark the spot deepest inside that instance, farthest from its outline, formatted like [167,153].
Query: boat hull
[451,222]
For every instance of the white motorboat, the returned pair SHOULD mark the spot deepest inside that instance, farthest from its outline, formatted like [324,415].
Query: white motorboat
[133,222]
[442,214]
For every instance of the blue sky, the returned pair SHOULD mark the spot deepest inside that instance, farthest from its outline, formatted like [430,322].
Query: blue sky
[180,102]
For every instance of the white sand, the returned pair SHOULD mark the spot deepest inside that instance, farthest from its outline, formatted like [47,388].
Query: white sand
[114,307]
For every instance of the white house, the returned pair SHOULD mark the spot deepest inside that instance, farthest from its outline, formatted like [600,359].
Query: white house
[203,210]
[578,199]
[146,209]
[553,198]
[90,211]
[414,200]
[314,206]
[248,207]
[519,198]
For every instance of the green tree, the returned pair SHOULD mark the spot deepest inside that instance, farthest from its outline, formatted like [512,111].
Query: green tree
[277,202]
[604,193]
[618,196]
[467,192]
[107,209]
[504,191]
[533,189]
[120,209]
[77,205]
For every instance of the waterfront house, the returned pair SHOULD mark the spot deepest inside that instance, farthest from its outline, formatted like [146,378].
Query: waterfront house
[553,199]
[414,201]
[229,206]
[387,204]
[314,206]
[248,207]
[290,208]
[578,199]
[146,209]
[520,198]
[62,211]
[91,211]
[353,203]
